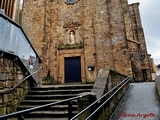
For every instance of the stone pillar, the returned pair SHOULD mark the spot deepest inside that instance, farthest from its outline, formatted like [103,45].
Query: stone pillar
[102,35]
[85,102]
[118,37]
[36,26]
[139,35]
[133,44]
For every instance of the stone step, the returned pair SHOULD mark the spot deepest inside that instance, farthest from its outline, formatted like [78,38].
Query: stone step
[56,107]
[63,87]
[58,92]
[46,94]
[48,114]
[48,97]
[42,102]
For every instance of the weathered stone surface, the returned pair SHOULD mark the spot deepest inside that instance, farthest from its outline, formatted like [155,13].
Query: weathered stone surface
[11,77]
[19,72]
[1,100]
[7,69]
[84,102]
[15,102]
[9,84]
[2,85]
[8,79]
[13,70]
[20,77]
[2,110]
[3,76]
[8,97]
[5,62]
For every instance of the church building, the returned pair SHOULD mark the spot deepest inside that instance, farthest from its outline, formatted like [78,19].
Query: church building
[77,38]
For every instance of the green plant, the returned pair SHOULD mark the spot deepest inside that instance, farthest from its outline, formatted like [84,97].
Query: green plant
[70,46]
[49,79]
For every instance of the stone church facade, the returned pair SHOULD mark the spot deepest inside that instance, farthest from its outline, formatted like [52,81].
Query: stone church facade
[77,38]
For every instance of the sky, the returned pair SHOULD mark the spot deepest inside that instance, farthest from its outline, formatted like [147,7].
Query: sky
[150,18]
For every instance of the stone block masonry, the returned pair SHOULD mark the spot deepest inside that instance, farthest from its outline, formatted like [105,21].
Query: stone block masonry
[10,74]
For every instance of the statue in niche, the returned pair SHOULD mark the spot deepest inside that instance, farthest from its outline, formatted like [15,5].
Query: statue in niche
[72,37]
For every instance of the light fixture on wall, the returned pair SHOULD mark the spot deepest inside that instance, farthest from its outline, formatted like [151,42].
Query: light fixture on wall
[91,67]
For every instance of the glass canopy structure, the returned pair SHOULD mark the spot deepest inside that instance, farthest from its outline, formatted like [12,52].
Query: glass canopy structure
[13,40]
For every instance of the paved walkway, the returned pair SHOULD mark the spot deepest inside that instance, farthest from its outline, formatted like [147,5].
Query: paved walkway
[139,103]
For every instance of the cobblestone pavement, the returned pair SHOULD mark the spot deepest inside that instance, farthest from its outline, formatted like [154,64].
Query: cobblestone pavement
[139,103]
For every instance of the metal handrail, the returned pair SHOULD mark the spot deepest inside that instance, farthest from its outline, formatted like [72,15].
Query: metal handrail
[107,100]
[11,89]
[126,80]
[20,113]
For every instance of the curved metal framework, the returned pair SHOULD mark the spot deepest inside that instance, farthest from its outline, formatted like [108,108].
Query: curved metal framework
[15,43]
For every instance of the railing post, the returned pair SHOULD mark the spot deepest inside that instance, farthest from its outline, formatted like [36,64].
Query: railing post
[70,112]
[20,117]
[84,102]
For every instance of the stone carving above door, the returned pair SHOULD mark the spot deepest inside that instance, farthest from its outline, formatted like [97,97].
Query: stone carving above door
[72,38]
[71,29]
[71,24]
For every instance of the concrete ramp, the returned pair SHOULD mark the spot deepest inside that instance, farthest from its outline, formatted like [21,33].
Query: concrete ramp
[139,103]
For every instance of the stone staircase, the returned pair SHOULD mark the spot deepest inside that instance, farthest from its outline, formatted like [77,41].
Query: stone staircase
[52,93]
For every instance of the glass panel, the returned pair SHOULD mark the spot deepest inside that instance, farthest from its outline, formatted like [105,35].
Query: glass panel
[7,43]
[2,32]
[10,38]
[13,40]
[23,47]
[16,45]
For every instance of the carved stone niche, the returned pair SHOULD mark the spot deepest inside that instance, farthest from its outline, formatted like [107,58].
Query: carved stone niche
[72,36]
[71,29]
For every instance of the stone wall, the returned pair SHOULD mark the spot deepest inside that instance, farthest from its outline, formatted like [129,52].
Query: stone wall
[140,61]
[107,80]
[10,74]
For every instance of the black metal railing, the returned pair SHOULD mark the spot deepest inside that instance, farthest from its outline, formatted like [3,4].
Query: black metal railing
[115,90]
[20,114]
[13,88]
